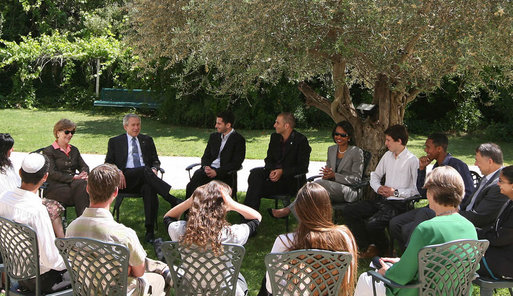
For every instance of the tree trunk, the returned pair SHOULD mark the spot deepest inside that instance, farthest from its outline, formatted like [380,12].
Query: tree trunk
[369,132]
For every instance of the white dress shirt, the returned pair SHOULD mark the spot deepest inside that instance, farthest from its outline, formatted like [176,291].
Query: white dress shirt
[26,207]
[224,138]
[9,180]
[400,171]
[130,158]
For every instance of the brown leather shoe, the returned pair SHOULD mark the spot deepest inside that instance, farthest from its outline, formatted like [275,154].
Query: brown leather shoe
[371,251]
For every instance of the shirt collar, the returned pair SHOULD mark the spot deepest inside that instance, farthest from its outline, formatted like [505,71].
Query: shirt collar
[489,176]
[27,194]
[56,146]
[130,137]
[446,159]
[402,154]
[223,136]
[97,213]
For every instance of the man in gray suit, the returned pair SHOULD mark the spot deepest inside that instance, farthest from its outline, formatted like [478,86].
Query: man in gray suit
[484,205]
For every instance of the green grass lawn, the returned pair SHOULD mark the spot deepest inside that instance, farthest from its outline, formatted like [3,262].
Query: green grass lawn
[32,129]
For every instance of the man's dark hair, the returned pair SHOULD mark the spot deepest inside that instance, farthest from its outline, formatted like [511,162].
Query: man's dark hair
[34,178]
[439,140]
[492,151]
[288,118]
[397,132]
[227,117]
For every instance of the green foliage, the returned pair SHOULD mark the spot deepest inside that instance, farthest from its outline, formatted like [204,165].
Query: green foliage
[62,56]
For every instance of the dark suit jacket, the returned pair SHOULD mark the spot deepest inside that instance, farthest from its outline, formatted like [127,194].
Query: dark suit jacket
[63,168]
[232,156]
[500,236]
[117,151]
[294,159]
[488,203]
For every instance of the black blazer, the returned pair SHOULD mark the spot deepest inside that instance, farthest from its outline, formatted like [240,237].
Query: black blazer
[232,156]
[488,203]
[500,236]
[294,159]
[117,151]
[63,168]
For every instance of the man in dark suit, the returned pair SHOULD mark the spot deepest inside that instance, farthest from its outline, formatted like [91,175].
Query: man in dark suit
[288,155]
[484,205]
[225,152]
[136,158]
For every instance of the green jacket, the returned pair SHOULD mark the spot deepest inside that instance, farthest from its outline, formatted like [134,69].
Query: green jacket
[438,230]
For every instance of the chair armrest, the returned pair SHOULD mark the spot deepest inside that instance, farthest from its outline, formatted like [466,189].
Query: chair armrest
[189,168]
[310,179]
[161,170]
[234,171]
[377,276]
[364,182]
[414,198]
[257,168]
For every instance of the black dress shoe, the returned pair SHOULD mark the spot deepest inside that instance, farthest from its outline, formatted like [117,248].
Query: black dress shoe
[171,199]
[270,211]
[149,237]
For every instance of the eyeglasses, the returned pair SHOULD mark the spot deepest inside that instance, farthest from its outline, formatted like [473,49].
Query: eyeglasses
[68,132]
[341,135]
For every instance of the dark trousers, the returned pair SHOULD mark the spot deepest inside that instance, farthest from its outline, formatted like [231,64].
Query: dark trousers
[402,226]
[142,180]
[50,281]
[368,219]
[200,178]
[260,186]
[73,194]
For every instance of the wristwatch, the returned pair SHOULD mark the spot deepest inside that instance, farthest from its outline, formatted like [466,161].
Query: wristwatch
[396,193]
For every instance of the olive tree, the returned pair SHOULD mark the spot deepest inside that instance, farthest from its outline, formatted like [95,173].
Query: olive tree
[397,49]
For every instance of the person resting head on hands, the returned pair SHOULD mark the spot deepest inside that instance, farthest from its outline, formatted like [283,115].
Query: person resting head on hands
[206,226]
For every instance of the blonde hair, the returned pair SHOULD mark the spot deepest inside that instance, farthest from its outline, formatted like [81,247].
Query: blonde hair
[446,186]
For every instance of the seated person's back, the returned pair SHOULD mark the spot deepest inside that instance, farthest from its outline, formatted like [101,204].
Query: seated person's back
[97,222]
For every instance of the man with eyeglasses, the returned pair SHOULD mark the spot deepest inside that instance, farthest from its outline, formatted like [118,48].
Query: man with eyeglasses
[137,161]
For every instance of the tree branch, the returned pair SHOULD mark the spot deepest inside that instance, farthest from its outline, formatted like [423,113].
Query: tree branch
[314,99]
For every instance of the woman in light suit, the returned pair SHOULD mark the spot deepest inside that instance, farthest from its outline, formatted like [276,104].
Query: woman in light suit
[343,167]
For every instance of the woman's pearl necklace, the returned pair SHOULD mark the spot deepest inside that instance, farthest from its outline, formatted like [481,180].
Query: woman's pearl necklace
[342,152]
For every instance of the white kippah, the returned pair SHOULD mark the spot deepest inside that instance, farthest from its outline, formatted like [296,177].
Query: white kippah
[32,163]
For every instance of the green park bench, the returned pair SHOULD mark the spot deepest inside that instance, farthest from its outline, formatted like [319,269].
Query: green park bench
[132,98]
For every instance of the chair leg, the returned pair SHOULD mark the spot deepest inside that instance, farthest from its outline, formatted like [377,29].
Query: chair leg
[486,291]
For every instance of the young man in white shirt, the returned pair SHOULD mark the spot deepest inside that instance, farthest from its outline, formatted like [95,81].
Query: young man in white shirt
[23,205]
[368,219]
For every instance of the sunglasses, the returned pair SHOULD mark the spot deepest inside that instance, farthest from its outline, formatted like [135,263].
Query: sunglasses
[69,132]
[341,135]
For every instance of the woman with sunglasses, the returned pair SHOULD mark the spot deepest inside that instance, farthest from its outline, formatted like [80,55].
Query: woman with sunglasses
[67,178]
[343,167]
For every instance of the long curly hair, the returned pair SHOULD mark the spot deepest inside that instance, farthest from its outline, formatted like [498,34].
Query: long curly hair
[6,143]
[207,217]
[316,230]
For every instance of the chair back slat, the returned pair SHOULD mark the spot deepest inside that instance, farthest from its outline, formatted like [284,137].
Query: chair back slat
[19,248]
[95,267]
[449,268]
[201,272]
[307,272]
